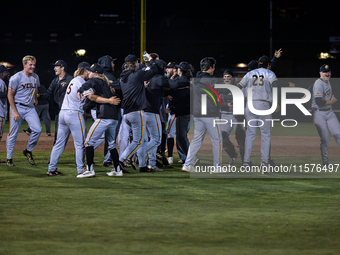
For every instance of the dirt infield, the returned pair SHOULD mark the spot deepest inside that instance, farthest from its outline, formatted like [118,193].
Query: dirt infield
[280,145]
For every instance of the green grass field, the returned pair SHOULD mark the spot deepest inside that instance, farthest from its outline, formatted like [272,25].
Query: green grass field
[165,212]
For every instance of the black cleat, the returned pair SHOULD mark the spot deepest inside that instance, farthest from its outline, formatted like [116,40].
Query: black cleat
[54,173]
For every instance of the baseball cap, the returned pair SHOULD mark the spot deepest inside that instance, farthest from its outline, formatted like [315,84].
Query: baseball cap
[84,65]
[131,59]
[325,68]
[184,66]
[96,68]
[264,61]
[252,65]
[160,63]
[228,71]
[3,68]
[171,65]
[60,63]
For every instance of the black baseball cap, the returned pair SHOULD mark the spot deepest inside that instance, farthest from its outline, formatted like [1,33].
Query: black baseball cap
[131,59]
[60,63]
[96,68]
[184,66]
[160,63]
[3,68]
[84,65]
[171,65]
[228,71]
[252,65]
[264,61]
[325,68]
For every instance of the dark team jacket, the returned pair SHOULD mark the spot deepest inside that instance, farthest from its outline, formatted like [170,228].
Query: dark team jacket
[180,93]
[132,84]
[103,111]
[154,93]
[203,84]
[57,90]
[105,63]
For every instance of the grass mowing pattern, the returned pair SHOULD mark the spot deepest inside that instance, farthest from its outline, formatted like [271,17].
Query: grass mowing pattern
[162,213]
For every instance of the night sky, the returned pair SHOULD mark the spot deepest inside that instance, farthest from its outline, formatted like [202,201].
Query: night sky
[230,31]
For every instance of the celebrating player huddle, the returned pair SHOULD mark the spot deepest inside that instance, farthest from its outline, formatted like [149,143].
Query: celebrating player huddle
[139,102]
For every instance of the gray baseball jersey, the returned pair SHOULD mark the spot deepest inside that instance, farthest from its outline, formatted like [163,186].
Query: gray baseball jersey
[3,101]
[24,88]
[322,90]
[260,80]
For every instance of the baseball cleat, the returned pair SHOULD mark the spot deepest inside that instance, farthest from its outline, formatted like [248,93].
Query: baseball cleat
[156,168]
[272,163]
[170,160]
[108,164]
[264,166]
[48,134]
[29,156]
[53,173]
[9,162]
[26,131]
[181,161]
[115,173]
[134,161]
[189,168]
[245,164]
[86,174]
[145,169]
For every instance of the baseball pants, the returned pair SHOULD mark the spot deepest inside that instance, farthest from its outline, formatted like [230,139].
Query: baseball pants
[2,126]
[98,128]
[43,112]
[254,122]
[70,122]
[202,125]
[154,131]
[30,115]
[136,121]
[324,121]
[182,141]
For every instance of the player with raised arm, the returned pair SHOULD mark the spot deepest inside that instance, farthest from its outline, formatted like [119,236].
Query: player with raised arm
[259,83]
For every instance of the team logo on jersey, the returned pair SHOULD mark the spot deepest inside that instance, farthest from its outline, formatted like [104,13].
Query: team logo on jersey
[28,86]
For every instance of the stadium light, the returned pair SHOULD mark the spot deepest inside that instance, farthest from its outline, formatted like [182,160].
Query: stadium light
[80,52]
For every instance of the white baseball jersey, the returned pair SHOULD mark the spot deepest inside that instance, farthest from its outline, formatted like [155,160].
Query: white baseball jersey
[24,88]
[322,90]
[3,101]
[260,80]
[71,101]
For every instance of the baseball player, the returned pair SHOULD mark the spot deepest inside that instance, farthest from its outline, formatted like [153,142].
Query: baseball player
[227,114]
[133,88]
[153,94]
[57,89]
[323,115]
[180,99]
[107,120]
[21,97]
[260,81]
[71,121]
[4,77]
[204,80]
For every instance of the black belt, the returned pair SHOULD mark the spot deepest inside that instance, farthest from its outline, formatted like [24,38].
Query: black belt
[323,110]
[22,104]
